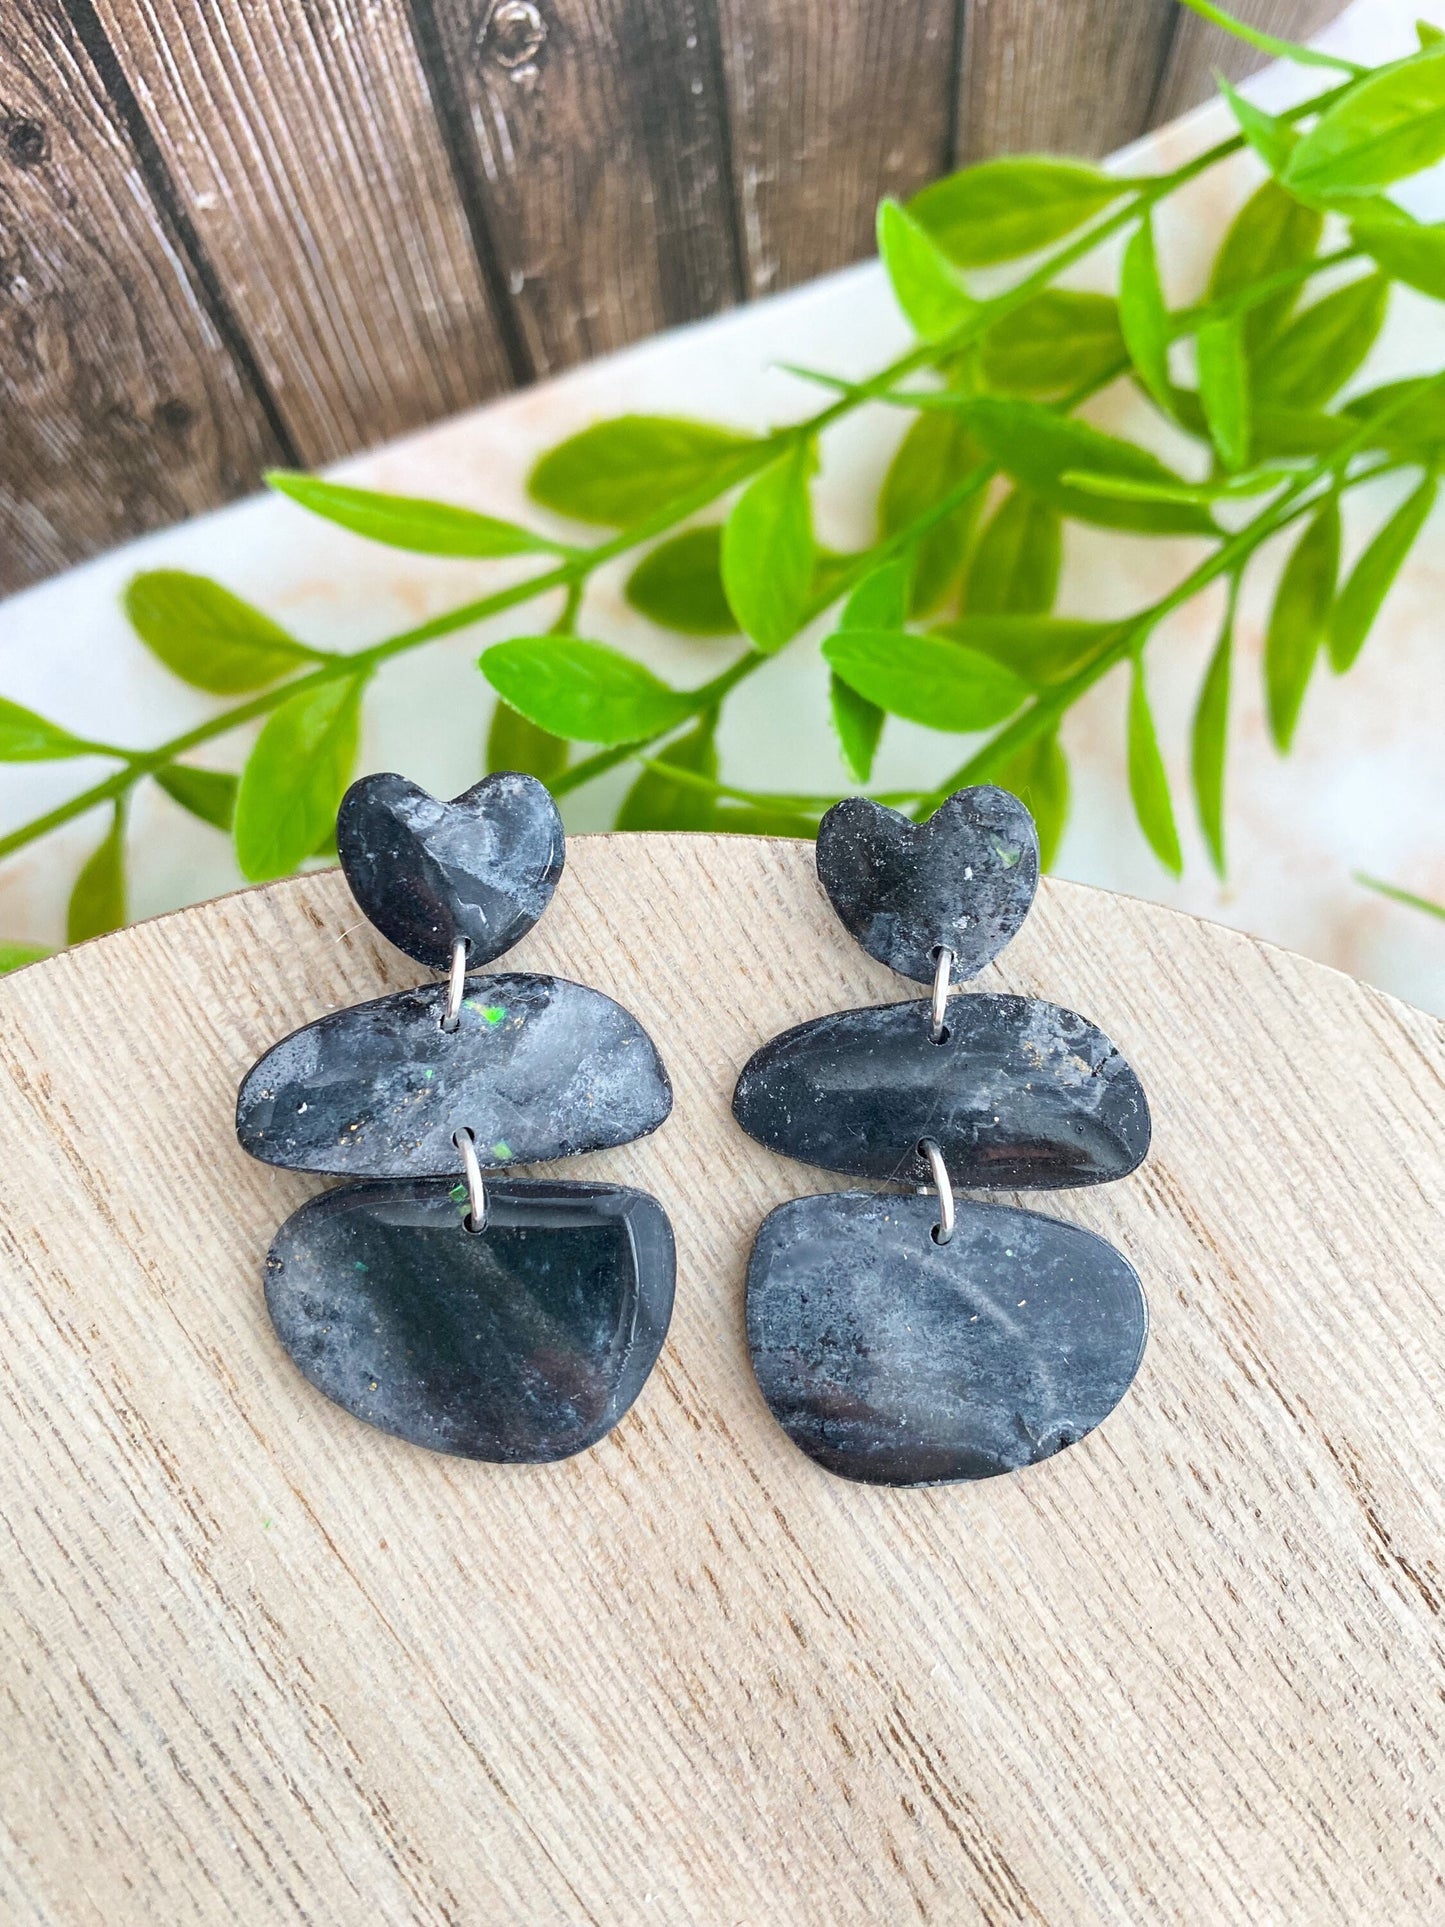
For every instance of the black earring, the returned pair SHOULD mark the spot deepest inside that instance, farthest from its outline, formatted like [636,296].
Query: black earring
[903,1340]
[507,1320]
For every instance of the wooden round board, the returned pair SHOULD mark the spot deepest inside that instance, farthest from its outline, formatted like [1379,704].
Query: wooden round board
[259,1662]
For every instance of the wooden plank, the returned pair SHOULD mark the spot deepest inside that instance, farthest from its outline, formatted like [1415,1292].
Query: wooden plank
[593,138]
[122,407]
[259,1662]
[1199,49]
[1043,78]
[834,103]
[303,143]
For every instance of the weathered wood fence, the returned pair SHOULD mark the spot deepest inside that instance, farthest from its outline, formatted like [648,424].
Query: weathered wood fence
[238,232]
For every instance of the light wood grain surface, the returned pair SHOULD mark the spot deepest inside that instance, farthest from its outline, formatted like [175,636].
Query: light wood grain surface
[261,230]
[260,1663]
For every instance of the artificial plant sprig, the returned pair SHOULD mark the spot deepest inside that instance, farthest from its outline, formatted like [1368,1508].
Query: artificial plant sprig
[948,617]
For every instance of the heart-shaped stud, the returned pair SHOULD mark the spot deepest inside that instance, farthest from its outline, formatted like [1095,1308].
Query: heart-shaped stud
[962,881]
[482,867]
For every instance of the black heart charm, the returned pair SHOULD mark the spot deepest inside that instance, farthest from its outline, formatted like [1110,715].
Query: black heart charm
[482,867]
[962,881]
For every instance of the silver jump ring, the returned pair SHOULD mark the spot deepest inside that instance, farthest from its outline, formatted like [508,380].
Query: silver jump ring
[476,1219]
[938,1010]
[943,1230]
[456,985]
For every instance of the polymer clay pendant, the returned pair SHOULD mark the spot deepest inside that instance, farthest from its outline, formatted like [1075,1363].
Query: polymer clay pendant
[508,1320]
[902,1339]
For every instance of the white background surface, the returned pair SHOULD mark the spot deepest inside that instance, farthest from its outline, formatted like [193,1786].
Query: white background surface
[1364,788]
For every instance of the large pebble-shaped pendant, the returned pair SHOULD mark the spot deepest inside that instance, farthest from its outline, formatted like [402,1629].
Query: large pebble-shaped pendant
[894,1360]
[537,1068]
[523,1342]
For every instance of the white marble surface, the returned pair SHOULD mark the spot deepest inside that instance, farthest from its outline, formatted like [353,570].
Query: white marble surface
[1364,789]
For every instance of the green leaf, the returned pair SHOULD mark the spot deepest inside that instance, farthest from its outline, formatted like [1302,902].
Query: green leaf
[1144,316]
[1276,434]
[1268,43]
[1416,424]
[1039,777]
[1428,35]
[15,956]
[295,776]
[1370,580]
[1273,140]
[621,471]
[858,725]
[934,457]
[1148,782]
[1299,619]
[1397,895]
[1224,389]
[1000,209]
[925,679]
[768,551]
[28,738]
[514,742]
[209,794]
[208,637]
[678,585]
[97,903]
[758,822]
[1272,232]
[655,804]
[1318,352]
[1390,126]
[1038,448]
[1209,740]
[1405,249]
[880,601]
[408,522]
[1059,341]
[1042,649]
[1014,569]
[583,690]
[933,299]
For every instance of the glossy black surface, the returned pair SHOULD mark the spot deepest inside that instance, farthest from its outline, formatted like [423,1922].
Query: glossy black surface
[895,1361]
[538,1068]
[964,879]
[1021,1095]
[483,866]
[525,1342]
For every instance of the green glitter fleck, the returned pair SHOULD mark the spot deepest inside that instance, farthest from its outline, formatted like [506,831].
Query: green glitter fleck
[494,1013]
[502,1149]
[458,1194]
[360,1266]
[428,1075]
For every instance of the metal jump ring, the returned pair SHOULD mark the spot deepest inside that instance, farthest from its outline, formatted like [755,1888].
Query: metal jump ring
[938,1010]
[456,985]
[476,1218]
[943,1230]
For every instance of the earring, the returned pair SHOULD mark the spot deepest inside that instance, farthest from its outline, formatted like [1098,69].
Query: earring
[912,1340]
[498,1319]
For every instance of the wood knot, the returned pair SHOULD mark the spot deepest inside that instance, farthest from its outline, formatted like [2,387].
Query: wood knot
[513,34]
[175,417]
[27,143]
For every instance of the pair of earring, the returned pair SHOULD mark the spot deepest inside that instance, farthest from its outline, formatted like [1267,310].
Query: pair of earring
[898,1339]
